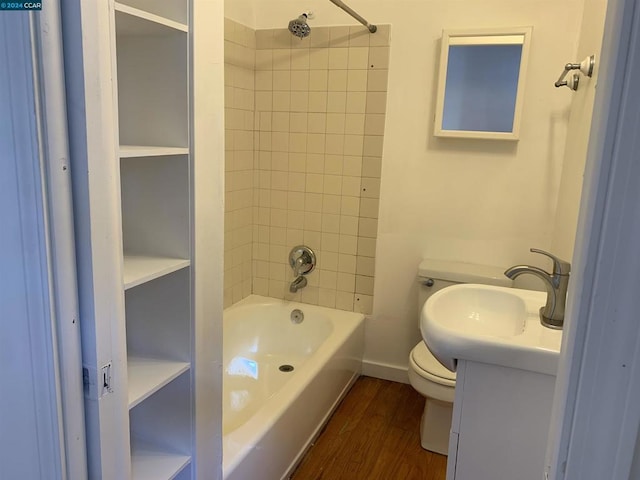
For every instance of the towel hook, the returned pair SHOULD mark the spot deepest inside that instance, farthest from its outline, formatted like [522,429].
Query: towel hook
[586,67]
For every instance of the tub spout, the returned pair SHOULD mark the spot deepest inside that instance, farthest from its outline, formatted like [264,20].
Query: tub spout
[297,284]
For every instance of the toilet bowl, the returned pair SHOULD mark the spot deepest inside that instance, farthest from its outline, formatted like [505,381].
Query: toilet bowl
[437,384]
[426,374]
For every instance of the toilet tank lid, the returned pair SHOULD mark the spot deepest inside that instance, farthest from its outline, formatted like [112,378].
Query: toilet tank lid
[461,272]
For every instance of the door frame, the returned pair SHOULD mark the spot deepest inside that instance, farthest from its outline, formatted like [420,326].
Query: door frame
[596,411]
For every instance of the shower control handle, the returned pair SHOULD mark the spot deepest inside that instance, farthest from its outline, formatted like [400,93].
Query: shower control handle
[302,260]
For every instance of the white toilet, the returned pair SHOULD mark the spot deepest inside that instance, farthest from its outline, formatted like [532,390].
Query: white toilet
[428,376]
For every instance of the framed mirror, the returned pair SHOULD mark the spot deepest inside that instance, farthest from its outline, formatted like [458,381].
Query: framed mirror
[481,83]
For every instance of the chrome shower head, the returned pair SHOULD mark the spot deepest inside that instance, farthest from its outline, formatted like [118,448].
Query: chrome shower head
[299,26]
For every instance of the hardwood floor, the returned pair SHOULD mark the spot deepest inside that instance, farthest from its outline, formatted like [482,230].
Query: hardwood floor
[374,435]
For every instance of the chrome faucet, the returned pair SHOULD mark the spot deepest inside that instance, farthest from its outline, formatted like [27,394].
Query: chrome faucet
[552,314]
[302,260]
[297,284]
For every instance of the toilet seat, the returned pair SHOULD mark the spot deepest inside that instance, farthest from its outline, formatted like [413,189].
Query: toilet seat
[428,367]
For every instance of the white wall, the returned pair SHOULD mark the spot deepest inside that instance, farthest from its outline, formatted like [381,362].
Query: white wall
[208,236]
[578,134]
[475,201]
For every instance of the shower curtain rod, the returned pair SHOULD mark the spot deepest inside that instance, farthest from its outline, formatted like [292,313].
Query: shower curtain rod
[350,11]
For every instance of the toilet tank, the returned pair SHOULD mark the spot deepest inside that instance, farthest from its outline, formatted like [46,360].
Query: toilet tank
[435,275]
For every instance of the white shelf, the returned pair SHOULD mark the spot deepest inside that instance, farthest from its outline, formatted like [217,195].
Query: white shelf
[148,375]
[149,462]
[142,269]
[132,21]
[132,151]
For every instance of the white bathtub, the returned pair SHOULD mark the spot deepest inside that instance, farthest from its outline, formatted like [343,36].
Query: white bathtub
[269,416]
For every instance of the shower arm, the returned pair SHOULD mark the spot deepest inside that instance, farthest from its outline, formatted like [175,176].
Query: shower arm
[350,11]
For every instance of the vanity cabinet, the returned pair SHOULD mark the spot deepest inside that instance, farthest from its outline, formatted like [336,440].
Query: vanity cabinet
[500,423]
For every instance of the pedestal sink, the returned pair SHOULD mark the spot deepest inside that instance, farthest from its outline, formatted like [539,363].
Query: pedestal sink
[506,363]
[487,324]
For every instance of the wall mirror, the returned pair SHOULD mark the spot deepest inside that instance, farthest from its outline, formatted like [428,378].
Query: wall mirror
[481,83]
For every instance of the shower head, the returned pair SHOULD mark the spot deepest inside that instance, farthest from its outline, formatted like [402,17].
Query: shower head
[299,26]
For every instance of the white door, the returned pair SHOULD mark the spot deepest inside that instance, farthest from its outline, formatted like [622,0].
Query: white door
[596,415]
[41,408]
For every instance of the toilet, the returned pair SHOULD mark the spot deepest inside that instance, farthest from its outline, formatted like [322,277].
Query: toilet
[426,374]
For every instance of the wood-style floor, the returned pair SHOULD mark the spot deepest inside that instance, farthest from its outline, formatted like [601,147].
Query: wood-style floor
[374,435]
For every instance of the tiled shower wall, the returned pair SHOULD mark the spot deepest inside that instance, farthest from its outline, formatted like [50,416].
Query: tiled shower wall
[240,42]
[320,110]
[319,122]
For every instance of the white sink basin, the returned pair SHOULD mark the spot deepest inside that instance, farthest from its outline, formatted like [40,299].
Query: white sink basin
[494,325]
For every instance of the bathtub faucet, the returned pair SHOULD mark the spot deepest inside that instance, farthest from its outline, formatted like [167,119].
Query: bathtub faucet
[297,284]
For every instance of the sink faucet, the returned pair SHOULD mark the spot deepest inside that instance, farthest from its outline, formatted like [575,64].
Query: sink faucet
[297,284]
[552,314]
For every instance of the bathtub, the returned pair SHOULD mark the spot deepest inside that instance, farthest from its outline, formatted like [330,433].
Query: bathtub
[271,416]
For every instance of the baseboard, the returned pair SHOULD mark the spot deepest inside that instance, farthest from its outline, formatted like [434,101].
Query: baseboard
[385,371]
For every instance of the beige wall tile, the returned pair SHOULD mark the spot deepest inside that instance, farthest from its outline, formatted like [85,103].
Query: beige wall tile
[336,123]
[339,36]
[366,246]
[332,184]
[327,298]
[337,81]
[359,36]
[373,145]
[281,80]
[300,59]
[304,139]
[318,58]
[377,80]
[330,242]
[337,102]
[328,260]
[300,80]
[357,80]
[351,186]
[368,227]
[346,282]
[370,187]
[318,80]
[378,58]
[320,38]
[365,266]
[333,164]
[363,304]
[369,207]
[299,101]
[356,102]
[316,143]
[376,102]
[338,58]
[318,102]
[334,144]
[358,58]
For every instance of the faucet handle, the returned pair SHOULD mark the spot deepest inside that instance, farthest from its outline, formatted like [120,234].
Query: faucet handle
[560,267]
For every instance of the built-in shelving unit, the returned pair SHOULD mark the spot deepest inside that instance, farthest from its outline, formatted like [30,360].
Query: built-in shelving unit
[133,21]
[134,151]
[148,375]
[150,462]
[154,155]
[141,269]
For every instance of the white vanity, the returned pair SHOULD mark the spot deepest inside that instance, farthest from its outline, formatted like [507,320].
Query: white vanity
[506,364]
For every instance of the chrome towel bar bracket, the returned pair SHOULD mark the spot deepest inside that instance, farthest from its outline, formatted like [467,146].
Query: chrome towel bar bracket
[586,67]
